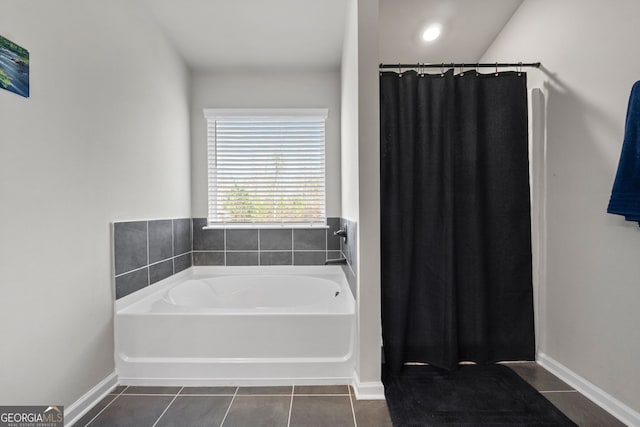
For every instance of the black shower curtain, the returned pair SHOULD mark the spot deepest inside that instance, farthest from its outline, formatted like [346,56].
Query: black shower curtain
[455,219]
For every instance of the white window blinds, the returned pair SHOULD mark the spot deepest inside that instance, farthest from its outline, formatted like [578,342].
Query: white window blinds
[266,166]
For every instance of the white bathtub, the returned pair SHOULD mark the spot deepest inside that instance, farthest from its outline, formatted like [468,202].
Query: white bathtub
[238,326]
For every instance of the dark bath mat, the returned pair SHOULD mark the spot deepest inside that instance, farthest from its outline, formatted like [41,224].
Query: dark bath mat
[474,395]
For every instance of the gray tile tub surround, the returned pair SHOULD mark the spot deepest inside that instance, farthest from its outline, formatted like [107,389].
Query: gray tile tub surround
[160,240]
[242,258]
[279,239]
[129,246]
[276,258]
[241,239]
[182,236]
[209,239]
[128,283]
[276,246]
[264,246]
[333,242]
[309,246]
[310,239]
[146,252]
[349,248]
[209,258]
[350,252]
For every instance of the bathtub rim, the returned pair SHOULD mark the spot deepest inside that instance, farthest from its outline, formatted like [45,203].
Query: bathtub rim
[121,305]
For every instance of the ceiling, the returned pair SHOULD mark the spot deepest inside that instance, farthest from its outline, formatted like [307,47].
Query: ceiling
[468,29]
[218,35]
[262,34]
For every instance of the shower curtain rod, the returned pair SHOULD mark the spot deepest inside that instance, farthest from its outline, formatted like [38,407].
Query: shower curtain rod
[464,65]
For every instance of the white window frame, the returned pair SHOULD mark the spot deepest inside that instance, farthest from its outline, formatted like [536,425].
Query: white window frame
[212,115]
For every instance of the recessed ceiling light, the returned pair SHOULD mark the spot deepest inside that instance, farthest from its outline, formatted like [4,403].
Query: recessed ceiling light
[432,32]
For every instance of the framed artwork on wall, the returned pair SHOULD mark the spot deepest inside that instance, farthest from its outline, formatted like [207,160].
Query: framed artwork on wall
[14,67]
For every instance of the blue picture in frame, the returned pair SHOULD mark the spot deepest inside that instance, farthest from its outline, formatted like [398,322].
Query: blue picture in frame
[14,67]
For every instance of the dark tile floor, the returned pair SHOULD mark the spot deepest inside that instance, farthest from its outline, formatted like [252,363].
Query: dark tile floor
[306,406]
[574,405]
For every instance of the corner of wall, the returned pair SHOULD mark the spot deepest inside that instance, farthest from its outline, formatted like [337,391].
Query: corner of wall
[369,361]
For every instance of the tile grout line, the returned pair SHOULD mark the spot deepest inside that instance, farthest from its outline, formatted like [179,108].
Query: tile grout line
[224,245]
[326,241]
[173,246]
[103,409]
[149,394]
[265,395]
[168,406]
[131,271]
[259,257]
[321,394]
[229,408]
[293,249]
[293,390]
[156,263]
[148,270]
[205,395]
[191,233]
[251,250]
[353,411]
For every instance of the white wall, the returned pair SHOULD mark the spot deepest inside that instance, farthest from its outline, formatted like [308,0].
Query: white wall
[349,121]
[590,293]
[264,89]
[104,137]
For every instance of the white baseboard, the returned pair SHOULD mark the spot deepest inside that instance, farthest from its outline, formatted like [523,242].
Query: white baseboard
[624,413]
[77,409]
[372,390]
[233,382]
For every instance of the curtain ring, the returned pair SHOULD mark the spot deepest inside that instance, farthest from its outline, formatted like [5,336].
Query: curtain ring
[399,70]
[520,68]
[496,69]
[442,70]
[477,67]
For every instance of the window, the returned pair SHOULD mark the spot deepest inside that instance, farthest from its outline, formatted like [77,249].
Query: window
[266,167]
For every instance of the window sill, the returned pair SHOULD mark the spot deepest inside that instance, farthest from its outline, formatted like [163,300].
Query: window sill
[261,226]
